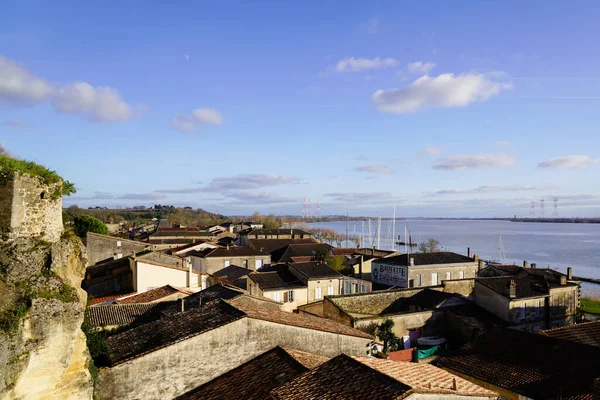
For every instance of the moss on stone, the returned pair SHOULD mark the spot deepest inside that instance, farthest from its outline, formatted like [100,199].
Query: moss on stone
[9,165]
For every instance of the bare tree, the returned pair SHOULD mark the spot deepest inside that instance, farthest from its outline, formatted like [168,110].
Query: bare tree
[430,246]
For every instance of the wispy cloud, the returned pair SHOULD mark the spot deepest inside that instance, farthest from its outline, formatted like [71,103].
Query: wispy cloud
[572,161]
[198,117]
[419,67]
[126,196]
[253,198]
[375,168]
[495,189]
[235,183]
[432,150]
[361,198]
[474,161]
[353,64]
[19,86]
[17,123]
[443,91]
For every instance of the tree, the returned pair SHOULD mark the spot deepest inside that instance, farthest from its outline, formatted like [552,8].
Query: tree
[87,223]
[430,246]
[384,332]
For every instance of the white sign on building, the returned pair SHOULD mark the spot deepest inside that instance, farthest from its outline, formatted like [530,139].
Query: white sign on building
[392,275]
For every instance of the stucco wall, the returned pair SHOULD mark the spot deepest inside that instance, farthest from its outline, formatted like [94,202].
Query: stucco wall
[210,265]
[300,298]
[464,287]
[34,208]
[324,284]
[469,270]
[402,322]
[149,276]
[375,302]
[491,301]
[102,247]
[176,369]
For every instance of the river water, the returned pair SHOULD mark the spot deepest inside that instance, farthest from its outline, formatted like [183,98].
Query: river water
[557,246]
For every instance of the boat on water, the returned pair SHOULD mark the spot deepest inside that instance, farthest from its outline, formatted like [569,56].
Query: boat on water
[431,340]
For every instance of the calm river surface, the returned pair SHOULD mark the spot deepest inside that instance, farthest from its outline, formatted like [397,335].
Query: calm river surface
[556,246]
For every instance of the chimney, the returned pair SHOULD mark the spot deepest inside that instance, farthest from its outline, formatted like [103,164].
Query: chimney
[512,292]
[411,261]
[563,280]
[360,267]
[480,265]
[533,265]
[476,257]
[525,264]
[569,273]
[181,305]
[468,252]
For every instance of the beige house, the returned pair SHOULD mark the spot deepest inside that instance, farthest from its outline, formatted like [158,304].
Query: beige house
[273,234]
[423,269]
[530,300]
[209,261]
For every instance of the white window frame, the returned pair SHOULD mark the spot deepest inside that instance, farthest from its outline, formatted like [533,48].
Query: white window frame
[363,288]
[330,290]
[258,264]
[290,296]
[245,263]
[461,274]
[227,263]
[419,280]
[434,279]
[119,243]
[448,275]
[318,293]
[119,255]
[276,296]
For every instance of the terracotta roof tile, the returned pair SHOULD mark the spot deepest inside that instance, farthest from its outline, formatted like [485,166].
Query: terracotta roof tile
[119,314]
[153,295]
[271,245]
[102,299]
[585,333]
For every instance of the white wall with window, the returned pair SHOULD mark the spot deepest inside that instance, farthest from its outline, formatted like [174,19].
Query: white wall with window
[434,278]
[461,274]
[419,280]
[227,263]
[258,264]
[277,296]
[318,293]
[448,275]
[330,290]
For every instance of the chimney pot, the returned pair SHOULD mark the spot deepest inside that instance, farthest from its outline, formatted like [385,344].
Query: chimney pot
[512,292]
[563,280]
[533,265]
[411,261]
[476,257]
[525,264]
[569,273]
[468,252]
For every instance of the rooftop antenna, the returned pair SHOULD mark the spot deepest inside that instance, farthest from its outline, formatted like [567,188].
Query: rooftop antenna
[542,200]
[555,213]
[305,208]
[532,209]
[318,212]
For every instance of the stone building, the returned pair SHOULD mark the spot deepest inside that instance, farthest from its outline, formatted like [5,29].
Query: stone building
[209,260]
[293,233]
[103,247]
[423,269]
[30,207]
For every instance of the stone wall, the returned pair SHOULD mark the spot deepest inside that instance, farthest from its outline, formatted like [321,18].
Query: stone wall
[403,322]
[464,287]
[30,208]
[180,367]
[101,247]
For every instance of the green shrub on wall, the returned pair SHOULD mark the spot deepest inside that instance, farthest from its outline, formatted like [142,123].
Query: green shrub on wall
[86,223]
[9,165]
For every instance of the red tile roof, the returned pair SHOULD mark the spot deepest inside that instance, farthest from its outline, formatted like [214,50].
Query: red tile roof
[102,299]
[585,333]
[153,295]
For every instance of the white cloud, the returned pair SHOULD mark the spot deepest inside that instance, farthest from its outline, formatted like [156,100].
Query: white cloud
[496,188]
[419,67]
[207,116]
[183,123]
[17,123]
[432,150]
[199,116]
[249,181]
[353,64]
[572,161]
[446,90]
[365,198]
[252,198]
[99,104]
[474,161]
[18,86]
[375,168]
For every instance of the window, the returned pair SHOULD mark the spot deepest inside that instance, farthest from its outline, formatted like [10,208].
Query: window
[276,296]
[245,263]
[448,275]
[120,255]
[347,287]
[434,278]
[118,243]
[537,308]
[227,262]
[419,280]
[318,294]
[461,274]
[329,290]
[290,296]
[354,287]
[363,288]
[258,264]
[522,311]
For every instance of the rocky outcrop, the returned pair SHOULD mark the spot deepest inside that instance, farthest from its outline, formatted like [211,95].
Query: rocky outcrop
[43,352]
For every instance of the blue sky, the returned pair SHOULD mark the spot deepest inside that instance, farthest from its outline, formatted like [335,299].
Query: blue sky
[238,107]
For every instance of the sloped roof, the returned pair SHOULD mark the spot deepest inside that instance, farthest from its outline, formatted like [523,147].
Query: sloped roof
[533,365]
[342,377]
[286,254]
[426,299]
[119,314]
[153,295]
[440,257]
[169,329]
[254,379]
[527,286]
[278,277]
[315,270]
[271,245]
[266,231]
[584,333]
[231,273]
[111,297]
[231,251]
